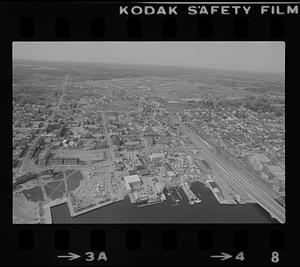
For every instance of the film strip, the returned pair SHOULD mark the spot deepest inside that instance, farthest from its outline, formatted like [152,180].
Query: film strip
[153,244]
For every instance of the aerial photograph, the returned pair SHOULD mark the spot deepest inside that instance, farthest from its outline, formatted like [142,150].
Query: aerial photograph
[148,132]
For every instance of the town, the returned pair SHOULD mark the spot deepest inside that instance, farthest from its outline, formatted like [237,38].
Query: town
[92,142]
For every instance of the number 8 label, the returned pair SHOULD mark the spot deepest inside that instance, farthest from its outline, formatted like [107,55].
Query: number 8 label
[275,257]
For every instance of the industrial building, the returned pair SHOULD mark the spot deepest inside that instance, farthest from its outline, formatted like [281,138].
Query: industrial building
[25,178]
[132,180]
[140,198]
[63,161]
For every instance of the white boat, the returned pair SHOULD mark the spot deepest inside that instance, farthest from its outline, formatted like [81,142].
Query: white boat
[191,202]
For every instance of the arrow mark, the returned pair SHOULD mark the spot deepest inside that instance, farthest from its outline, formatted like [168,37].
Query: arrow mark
[70,257]
[223,256]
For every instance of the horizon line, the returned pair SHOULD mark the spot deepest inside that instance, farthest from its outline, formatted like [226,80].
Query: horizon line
[155,65]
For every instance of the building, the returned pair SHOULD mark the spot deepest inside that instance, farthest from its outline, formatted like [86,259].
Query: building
[55,161]
[128,187]
[144,172]
[25,178]
[130,147]
[131,180]
[47,172]
[140,198]
[101,145]
[157,156]
[133,138]
[279,188]
[132,143]
[160,187]
[115,140]
[139,167]
[149,140]
[44,157]
[102,156]
[132,172]
[119,166]
[71,161]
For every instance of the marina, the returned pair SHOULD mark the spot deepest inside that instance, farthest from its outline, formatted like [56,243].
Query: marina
[174,194]
[193,199]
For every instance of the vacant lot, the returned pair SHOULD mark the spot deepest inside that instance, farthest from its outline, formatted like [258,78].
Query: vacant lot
[34,194]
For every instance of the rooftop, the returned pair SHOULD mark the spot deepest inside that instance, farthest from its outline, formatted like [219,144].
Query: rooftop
[132,178]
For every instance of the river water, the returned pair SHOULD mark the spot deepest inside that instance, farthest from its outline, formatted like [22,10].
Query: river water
[208,211]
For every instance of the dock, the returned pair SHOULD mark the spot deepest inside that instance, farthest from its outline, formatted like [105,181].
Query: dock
[189,193]
[178,192]
[217,192]
[58,201]
[150,203]
[46,217]
[84,210]
[170,193]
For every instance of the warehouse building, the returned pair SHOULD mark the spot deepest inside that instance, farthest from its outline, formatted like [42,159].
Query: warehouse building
[132,180]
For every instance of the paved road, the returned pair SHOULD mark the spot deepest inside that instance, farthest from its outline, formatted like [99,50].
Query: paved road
[62,95]
[112,153]
[26,160]
[235,175]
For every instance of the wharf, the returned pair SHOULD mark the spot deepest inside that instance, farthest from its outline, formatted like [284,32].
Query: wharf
[46,214]
[178,192]
[99,205]
[150,203]
[173,192]
[217,193]
[58,201]
[45,209]
[189,193]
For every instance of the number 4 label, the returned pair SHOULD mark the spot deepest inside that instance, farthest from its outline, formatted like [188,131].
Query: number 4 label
[240,256]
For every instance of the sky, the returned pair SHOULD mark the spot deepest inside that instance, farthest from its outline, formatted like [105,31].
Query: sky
[243,56]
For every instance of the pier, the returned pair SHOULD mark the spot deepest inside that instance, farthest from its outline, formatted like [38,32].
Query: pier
[178,192]
[175,195]
[149,203]
[189,193]
[217,192]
